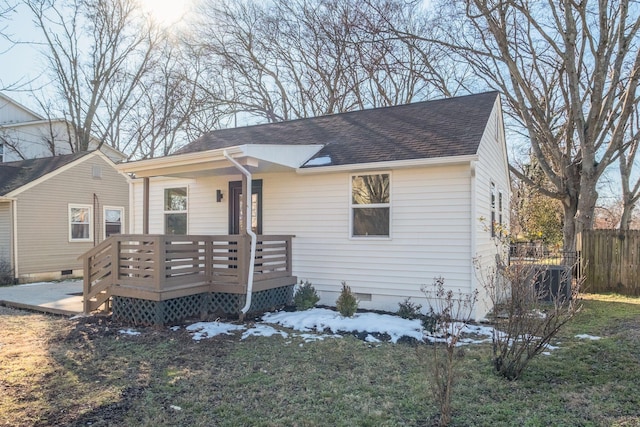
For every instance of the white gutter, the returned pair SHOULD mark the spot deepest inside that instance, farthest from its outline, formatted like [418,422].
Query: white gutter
[247,198]
[388,165]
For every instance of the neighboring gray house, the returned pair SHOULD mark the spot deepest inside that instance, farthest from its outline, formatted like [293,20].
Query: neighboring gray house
[54,209]
[385,199]
[25,134]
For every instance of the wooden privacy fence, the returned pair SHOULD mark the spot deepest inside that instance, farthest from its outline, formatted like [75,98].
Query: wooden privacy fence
[611,261]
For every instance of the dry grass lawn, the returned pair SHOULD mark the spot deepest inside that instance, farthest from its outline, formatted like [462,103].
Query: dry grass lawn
[56,371]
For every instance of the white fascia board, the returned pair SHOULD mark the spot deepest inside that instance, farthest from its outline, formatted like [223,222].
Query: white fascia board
[286,155]
[30,123]
[396,164]
[149,165]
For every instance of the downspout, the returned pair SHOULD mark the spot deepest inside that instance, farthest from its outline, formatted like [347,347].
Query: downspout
[247,197]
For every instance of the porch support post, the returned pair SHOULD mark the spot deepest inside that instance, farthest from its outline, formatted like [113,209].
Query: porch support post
[145,206]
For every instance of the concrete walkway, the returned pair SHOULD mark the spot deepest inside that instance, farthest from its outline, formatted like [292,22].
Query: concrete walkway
[63,298]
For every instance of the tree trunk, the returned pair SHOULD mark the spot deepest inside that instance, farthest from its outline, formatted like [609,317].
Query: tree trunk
[625,219]
[569,234]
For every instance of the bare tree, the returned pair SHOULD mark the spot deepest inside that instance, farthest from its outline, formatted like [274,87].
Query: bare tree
[629,171]
[97,53]
[283,59]
[569,73]
[166,106]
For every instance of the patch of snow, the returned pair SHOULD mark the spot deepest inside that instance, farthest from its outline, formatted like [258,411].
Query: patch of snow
[320,323]
[263,331]
[319,161]
[175,328]
[211,329]
[587,337]
[371,338]
[321,319]
[129,332]
[175,407]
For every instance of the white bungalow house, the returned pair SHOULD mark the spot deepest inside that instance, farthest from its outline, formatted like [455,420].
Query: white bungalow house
[384,199]
[25,134]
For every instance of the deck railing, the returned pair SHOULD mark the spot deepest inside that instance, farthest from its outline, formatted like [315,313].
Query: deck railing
[158,267]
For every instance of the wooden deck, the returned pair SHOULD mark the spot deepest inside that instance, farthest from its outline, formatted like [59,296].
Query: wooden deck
[162,267]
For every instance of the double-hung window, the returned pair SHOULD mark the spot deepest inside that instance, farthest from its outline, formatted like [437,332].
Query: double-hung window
[370,205]
[80,223]
[113,220]
[493,209]
[175,210]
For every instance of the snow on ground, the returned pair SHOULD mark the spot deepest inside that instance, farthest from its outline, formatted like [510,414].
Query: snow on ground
[321,323]
[587,337]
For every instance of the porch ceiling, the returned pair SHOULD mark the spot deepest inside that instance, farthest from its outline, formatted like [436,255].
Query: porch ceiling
[256,158]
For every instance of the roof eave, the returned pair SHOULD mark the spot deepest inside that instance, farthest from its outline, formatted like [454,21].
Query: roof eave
[393,164]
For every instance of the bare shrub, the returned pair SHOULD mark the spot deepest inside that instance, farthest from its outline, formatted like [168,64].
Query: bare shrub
[447,316]
[527,311]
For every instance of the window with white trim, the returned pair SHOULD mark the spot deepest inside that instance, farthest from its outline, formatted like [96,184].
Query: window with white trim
[80,223]
[500,207]
[370,205]
[493,209]
[113,220]
[175,210]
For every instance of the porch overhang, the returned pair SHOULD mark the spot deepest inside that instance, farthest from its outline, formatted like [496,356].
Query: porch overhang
[256,158]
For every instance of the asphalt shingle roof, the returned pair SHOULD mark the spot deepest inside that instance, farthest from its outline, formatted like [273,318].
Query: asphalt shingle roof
[14,175]
[439,128]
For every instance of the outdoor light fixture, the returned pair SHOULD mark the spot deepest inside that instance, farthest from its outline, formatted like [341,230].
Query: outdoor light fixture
[218,196]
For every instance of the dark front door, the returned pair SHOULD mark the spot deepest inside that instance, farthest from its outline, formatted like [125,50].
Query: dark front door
[237,209]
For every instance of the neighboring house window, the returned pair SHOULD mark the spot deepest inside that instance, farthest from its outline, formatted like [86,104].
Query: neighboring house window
[175,210]
[493,209]
[500,209]
[370,205]
[80,223]
[113,220]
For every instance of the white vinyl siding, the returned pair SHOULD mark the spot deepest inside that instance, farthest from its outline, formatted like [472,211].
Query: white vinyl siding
[430,225]
[491,167]
[205,215]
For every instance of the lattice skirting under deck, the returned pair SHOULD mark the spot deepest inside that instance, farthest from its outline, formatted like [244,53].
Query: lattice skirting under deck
[145,312]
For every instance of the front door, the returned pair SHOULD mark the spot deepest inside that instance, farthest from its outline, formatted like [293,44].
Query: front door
[237,209]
